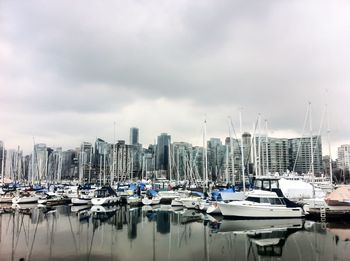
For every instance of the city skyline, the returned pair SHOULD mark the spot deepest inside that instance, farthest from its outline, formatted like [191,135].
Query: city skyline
[69,71]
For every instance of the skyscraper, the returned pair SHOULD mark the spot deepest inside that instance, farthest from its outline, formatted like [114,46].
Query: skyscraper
[2,156]
[300,154]
[163,145]
[344,156]
[134,136]
[216,156]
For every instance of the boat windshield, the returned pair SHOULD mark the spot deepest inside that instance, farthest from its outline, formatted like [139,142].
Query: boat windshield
[101,193]
[272,201]
[266,184]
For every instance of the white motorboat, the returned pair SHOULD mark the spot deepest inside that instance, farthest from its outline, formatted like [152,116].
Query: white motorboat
[84,197]
[261,204]
[105,196]
[151,198]
[25,198]
[71,191]
[204,204]
[176,202]
[167,196]
[191,202]
[53,199]
[7,197]
[214,209]
[151,201]
[134,200]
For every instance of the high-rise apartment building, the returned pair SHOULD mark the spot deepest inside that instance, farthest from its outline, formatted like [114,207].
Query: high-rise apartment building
[216,158]
[182,159]
[300,154]
[274,156]
[134,136]
[344,156]
[2,157]
[235,154]
[162,155]
[40,160]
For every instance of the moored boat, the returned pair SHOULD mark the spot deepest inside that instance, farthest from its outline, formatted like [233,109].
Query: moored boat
[105,196]
[261,204]
[25,198]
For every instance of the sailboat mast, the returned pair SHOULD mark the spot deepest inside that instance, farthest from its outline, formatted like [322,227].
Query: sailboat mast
[267,149]
[254,151]
[90,164]
[100,169]
[178,165]
[227,162]
[311,143]
[205,153]
[104,167]
[2,163]
[169,159]
[329,147]
[232,156]
[312,152]
[259,146]
[242,149]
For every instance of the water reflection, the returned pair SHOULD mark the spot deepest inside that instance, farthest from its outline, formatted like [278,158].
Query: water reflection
[265,237]
[161,233]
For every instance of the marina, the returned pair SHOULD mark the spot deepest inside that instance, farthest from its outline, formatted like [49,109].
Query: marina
[174,130]
[162,233]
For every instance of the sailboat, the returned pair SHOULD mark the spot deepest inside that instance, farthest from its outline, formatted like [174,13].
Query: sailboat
[332,206]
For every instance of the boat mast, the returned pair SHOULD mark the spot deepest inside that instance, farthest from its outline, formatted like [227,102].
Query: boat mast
[267,149]
[312,151]
[242,149]
[113,161]
[169,159]
[100,169]
[90,164]
[2,163]
[254,151]
[205,154]
[259,145]
[329,146]
[232,155]
[227,163]
[178,164]
[104,167]
[81,164]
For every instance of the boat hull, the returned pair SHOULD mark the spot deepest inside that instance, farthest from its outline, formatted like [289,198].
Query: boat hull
[81,201]
[25,200]
[243,210]
[105,201]
[152,201]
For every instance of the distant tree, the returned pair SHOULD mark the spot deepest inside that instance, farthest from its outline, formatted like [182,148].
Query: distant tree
[341,176]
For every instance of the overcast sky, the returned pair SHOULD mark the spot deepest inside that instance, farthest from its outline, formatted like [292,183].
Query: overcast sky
[69,69]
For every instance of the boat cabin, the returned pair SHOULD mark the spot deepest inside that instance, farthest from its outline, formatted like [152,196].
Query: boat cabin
[266,183]
[267,200]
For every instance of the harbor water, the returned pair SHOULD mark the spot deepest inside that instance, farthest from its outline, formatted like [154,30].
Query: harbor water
[162,233]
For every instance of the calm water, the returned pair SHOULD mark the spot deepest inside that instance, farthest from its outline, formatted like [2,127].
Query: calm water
[120,233]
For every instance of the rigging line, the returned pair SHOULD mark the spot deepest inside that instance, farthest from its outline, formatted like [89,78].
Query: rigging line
[234,132]
[33,241]
[19,231]
[71,229]
[318,134]
[300,140]
[92,239]
[253,136]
